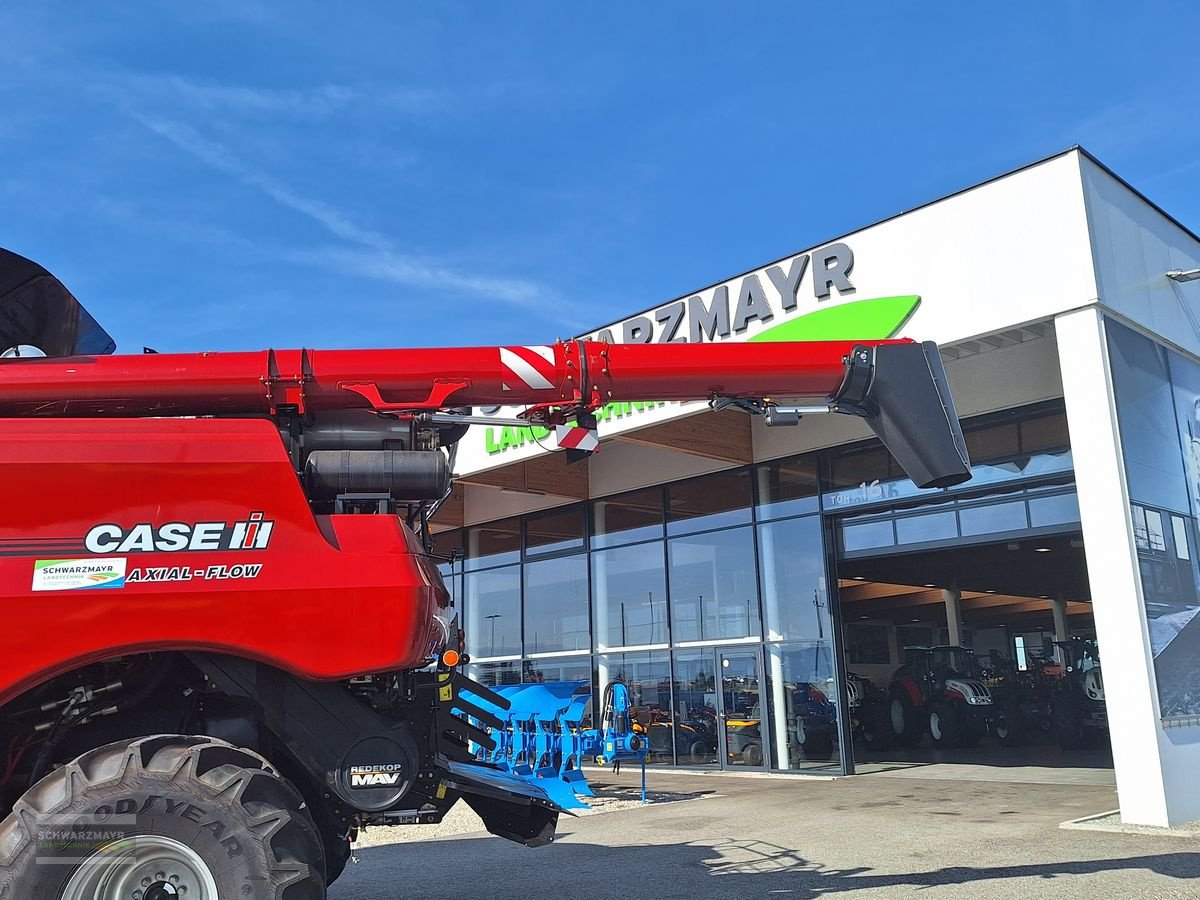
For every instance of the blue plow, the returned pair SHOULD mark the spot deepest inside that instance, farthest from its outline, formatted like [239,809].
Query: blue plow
[543,739]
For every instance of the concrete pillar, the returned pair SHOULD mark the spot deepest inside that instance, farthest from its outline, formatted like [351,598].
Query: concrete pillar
[1155,769]
[772,600]
[1062,631]
[952,597]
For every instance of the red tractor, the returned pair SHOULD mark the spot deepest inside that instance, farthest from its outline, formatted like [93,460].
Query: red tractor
[226,645]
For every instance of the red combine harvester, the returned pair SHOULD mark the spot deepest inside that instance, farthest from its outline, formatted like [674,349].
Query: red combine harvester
[226,647]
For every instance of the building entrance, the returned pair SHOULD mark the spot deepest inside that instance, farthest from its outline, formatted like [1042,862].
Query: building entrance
[978,655]
[744,727]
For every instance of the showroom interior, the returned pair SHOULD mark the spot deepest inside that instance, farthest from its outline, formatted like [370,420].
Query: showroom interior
[730,602]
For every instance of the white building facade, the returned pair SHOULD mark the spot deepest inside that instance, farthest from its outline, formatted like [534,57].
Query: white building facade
[736,573]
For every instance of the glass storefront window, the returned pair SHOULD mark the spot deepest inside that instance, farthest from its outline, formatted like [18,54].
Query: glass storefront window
[937,526]
[802,682]
[447,553]
[715,501]
[648,676]
[867,536]
[556,605]
[629,596]
[788,487]
[694,713]
[637,516]
[1060,509]
[795,600]
[493,612]
[555,531]
[1045,433]
[496,674]
[1002,441]
[566,668]
[714,586]
[993,518]
[493,544]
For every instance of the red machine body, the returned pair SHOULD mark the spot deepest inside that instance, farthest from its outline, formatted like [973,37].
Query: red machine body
[325,596]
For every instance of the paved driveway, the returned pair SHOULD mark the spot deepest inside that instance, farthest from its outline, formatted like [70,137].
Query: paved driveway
[798,839]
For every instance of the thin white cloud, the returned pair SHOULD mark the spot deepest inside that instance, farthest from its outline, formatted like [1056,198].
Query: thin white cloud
[369,253]
[218,157]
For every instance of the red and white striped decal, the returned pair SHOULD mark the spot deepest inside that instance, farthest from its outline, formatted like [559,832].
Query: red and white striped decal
[574,437]
[532,367]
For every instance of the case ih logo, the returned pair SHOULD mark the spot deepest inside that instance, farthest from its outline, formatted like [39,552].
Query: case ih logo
[252,534]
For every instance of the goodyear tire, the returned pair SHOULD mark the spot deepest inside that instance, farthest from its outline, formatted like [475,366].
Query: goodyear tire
[906,720]
[158,814]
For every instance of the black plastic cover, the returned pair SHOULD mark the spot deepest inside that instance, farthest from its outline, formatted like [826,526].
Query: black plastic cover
[902,393]
[37,310]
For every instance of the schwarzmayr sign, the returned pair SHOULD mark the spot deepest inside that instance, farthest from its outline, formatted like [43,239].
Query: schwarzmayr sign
[759,298]
[770,297]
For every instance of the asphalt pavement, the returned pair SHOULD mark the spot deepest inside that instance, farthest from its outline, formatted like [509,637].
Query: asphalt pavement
[792,838]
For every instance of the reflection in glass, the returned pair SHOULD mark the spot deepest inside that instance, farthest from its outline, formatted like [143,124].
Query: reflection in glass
[694,714]
[993,518]
[493,544]
[1146,409]
[495,674]
[648,677]
[714,501]
[493,612]
[795,601]
[553,532]
[928,527]
[1060,509]
[868,536]
[637,516]
[629,596]
[714,588]
[788,487]
[556,605]
[804,699]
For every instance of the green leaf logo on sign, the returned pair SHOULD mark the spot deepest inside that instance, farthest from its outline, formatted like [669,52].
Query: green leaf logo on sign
[861,320]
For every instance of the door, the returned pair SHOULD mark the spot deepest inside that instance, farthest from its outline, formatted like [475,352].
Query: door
[742,713]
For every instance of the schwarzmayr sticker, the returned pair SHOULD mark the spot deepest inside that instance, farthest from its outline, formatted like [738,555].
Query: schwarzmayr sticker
[78,574]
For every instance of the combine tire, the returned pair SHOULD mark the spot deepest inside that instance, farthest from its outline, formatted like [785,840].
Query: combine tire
[947,725]
[906,720]
[162,817]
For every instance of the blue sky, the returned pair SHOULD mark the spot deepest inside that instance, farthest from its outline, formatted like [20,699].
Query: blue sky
[236,174]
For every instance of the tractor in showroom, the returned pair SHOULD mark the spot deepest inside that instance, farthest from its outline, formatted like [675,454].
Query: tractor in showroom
[226,646]
[1079,714]
[939,690]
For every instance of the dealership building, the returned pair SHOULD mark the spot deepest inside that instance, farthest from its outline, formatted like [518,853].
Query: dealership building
[753,584]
